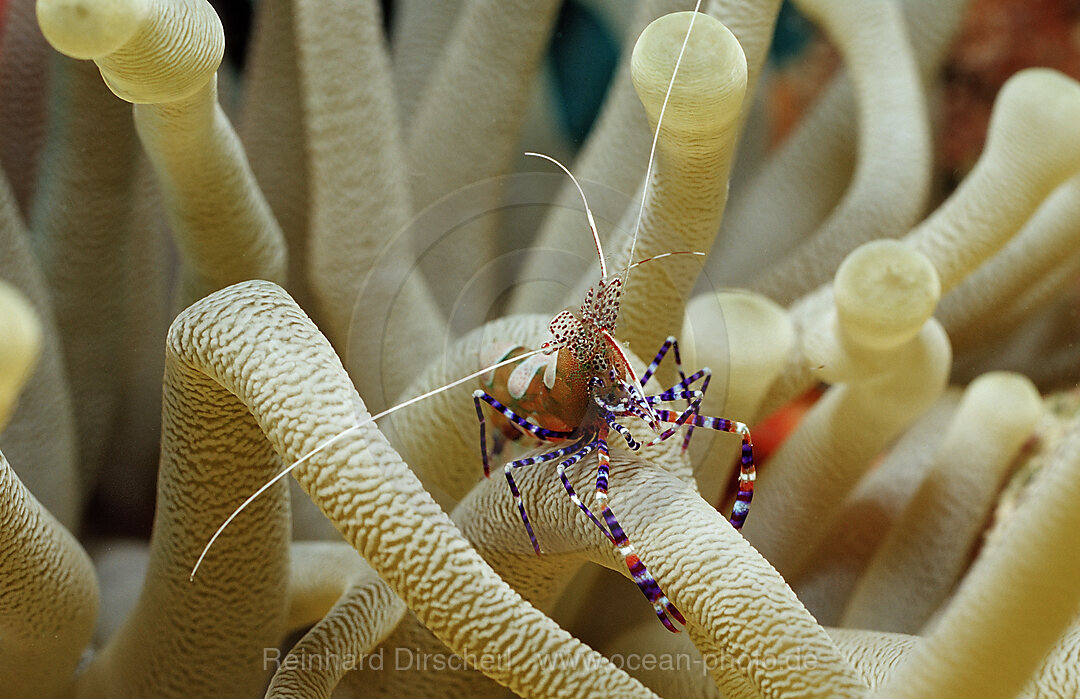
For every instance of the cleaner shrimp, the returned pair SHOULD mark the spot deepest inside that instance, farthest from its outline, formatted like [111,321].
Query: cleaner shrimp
[576,391]
[572,392]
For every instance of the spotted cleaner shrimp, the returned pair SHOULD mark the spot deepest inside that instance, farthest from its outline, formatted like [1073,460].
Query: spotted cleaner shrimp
[574,390]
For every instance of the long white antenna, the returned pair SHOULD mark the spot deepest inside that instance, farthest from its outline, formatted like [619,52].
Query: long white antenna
[363,423]
[656,137]
[588,211]
[665,254]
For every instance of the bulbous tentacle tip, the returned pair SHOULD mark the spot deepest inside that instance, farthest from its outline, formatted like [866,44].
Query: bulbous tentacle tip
[885,291]
[1033,126]
[711,83]
[995,389]
[1048,100]
[88,29]
[148,51]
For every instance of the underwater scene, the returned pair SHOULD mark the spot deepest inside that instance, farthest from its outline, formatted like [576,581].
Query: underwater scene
[580,348]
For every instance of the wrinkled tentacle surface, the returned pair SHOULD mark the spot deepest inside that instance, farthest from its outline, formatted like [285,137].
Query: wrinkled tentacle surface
[252,340]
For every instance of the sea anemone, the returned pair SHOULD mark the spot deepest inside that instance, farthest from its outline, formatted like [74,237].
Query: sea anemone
[913,536]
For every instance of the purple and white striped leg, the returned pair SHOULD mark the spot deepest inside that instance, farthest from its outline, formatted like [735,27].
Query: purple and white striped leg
[672,344]
[574,449]
[632,443]
[683,418]
[665,610]
[544,435]
[747,469]
[682,390]
[567,463]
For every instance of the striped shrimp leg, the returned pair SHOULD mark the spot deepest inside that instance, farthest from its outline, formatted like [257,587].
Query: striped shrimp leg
[677,419]
[544,435]
[567,463]
[576,450]
[665,610]
[693,398]
[747,470]
[669,344]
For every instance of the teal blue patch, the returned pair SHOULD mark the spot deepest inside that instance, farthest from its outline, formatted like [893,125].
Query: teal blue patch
[791,36]
[583,55]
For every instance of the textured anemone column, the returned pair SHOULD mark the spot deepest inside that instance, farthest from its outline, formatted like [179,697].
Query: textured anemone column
[1031,148]
[128,475]
[669,665]
[418,38]
[740,613]
[879,499]
[319,129]
[753,24]
[451,465]
[1034,330]
[874,654]
[927,549]
[412,649]
[890,361]
[449,147]
[318,101]
[257,352]
[359,199]
[537,579]
[272,132]
[666,663]
[1021,595]
[686,195]
[24,65]
[86,246]
[40,437]
[891,180]
[1059,674]
[48,593]
[993,299]
[810,171]
[351,610]
[615,154]
[162,55]
[208,636]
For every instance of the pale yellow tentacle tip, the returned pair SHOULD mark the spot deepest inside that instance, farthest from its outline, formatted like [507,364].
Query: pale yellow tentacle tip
[88,29]
[1035,113]
[148,51]
[997,386]
[712,72]
[1052,91]
[20,345]
[885,291]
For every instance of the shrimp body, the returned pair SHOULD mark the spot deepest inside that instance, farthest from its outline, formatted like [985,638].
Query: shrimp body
[555,390]
[536,389]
